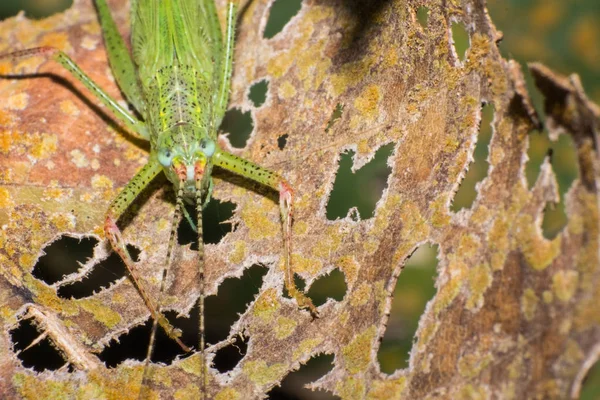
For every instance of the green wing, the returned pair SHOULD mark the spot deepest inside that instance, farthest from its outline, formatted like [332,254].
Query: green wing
[175,32]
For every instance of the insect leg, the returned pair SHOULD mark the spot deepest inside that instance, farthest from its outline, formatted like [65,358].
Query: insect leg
[119,112]
[112,232]
[268,178]
[119,58]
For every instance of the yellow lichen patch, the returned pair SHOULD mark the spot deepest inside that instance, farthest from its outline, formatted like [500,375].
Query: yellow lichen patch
[481,215]
[538,251]
[286,90]
[387,389]
[17,101]
[564,284]
[349,266]
[350,74]
[306,347]
[547,296]
[27,260]
[357,354]
[284,327]
[498,234]
[439,212]
[280,64]
[383,215]
[266,305]
[471,392]
[448,292]
[351,389]
[56,194]
[261,374]
[257,216]
[361,295]
[5,198]
[529,302]
[427,332]
[471,365]
[306,265]
[239,252]
[367,102]
[415,226]
[576,224]
[31,387]
[333,239]
[63,221]
[69,108]
[228,394]
[44,147]
[101,312]
[59,40]
[101,182]
[191,365]
[498,260]
[468,245]
[189,392]
[479,280]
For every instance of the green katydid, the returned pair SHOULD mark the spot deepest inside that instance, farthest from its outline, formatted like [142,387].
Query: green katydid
[178,80]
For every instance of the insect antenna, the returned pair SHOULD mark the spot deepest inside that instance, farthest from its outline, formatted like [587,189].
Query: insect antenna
[199,192]
[172,240]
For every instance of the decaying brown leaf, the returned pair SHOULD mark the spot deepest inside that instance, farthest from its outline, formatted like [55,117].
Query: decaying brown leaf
[515,314]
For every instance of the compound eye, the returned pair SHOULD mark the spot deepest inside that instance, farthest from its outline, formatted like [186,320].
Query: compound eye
[208,147]
[165,157]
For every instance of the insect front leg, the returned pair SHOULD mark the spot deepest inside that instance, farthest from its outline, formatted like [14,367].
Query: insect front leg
[268,178]
[113,233]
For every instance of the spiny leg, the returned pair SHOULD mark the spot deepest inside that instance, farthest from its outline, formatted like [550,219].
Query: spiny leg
[268,178]
[119,112]
[112,232]
[203,366]
[172,237]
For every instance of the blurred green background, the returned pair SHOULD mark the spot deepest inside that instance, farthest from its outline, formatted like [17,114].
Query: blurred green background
[564,35]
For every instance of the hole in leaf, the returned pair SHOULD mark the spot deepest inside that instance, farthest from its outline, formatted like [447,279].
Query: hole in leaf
[33,9]
[539,143]
[102,276]
[232,299]
[590,389]
[63,257]
[134,344]
[239,125]
[414,288]
[41,357]
[228,357]
[361,189]
[423,16]
[282,141]
[478,169]
[332,286]
[335,115]
[460,38]
[565,165]
[214,226]
[258,93]
[292,386]
[282,11]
